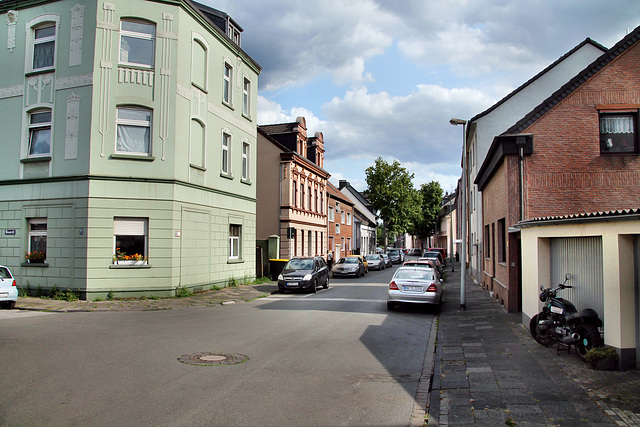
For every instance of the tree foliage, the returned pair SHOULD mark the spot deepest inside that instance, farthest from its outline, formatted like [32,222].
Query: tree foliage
[431,195]
[392,194]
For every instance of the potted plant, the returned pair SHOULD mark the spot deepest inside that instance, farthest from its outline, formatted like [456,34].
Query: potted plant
[121,258]
[603,358]
[35,256]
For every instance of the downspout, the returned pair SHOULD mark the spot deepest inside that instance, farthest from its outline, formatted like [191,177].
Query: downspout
[520,142]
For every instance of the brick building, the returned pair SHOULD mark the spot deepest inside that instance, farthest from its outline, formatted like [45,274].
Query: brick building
[560,192]
[340,223]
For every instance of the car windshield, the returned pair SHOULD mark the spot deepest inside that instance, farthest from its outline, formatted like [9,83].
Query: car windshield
[412,273]
[373,257]
[4,273]
[300,264]
[349,260]
[393,252]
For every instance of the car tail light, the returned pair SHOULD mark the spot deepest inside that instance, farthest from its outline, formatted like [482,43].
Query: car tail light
[14,282]
[432,288]
[393,286]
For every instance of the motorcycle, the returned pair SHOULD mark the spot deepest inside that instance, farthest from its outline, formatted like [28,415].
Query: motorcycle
[560,322]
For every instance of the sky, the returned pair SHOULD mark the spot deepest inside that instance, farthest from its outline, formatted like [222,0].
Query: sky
[382,78]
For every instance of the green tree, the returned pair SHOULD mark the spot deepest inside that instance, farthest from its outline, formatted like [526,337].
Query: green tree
[431,203]
[392,194]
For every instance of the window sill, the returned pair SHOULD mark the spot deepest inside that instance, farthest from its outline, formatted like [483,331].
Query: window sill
[40,71]
[200,168]
[132,157]
[228,105]
[247,117]
[618,153]
[226,175]
[235,261]
[197,86]
[133,266]
[36,159]
[136,66]
[34,264]
[246,181]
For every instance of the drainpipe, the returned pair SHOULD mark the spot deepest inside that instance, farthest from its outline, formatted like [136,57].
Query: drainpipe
[520,142]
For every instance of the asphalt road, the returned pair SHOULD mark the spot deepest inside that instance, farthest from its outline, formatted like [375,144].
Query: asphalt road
[337,357]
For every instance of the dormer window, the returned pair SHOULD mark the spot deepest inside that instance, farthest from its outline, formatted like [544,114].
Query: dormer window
[233,33]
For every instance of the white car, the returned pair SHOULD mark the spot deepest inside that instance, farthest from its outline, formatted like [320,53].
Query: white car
[414,285]
[8,288]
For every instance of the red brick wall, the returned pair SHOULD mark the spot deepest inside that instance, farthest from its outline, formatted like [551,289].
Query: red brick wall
[566,174]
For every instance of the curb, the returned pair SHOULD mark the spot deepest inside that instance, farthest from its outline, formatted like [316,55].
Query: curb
[420,411]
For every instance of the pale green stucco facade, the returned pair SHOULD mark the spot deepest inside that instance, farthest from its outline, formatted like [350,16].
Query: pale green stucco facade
[178,188]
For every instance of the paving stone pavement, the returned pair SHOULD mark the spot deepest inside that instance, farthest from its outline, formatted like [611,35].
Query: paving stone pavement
[488,371]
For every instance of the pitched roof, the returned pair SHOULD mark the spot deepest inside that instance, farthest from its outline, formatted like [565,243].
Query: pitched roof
[621,214]
[576,82]
[336,194]
[278,128]
[537,76]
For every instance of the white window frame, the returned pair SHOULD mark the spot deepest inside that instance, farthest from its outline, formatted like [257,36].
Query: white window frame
[246,97]
[37,23]
[337,228]
[141,36]
[246,161]
[131,226]
[147,124]
[37,233]
[348,218]
[331,215]
[35,128]
[227,83]
[235,246]
[225,161]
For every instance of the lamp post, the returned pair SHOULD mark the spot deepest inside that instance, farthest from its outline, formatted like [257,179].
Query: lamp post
[463,259]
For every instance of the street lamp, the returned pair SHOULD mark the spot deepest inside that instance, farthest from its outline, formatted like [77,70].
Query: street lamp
[463,259]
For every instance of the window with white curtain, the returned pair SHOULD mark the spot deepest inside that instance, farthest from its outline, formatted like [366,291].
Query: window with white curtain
[618,133]
[235,232]
[133,130]
[44,46]
[246,149]
[40,133]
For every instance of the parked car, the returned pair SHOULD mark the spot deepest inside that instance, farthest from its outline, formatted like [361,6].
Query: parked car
[376,262]
[424,263]
[396,255]
[349,266]
[364,261]
[304,273]
[435,255]
[416,252]
[442,251]
[8,288]
[414,285]
[435,260]
[387,260]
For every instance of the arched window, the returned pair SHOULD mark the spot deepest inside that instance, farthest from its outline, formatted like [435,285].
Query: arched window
[134,130]
[40,133]
[137,43]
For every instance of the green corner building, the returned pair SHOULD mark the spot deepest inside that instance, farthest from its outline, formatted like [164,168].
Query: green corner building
[128,147]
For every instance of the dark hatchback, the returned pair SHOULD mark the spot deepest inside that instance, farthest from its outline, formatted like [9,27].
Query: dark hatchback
[304,274]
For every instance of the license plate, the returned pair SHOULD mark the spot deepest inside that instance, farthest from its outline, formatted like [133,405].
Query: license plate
[292,284]
[4,294]
[413,288]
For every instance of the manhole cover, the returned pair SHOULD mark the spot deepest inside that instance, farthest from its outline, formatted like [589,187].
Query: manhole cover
[213,359]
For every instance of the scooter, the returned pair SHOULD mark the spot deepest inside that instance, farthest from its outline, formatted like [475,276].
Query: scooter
[559,322]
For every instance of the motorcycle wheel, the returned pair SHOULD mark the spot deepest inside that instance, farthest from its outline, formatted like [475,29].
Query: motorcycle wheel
[589,338]
[542,336]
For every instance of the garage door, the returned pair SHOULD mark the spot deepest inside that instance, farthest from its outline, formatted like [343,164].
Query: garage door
[582,257]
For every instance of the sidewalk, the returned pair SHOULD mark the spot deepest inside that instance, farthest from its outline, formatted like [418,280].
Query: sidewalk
[488,371]
[229,295]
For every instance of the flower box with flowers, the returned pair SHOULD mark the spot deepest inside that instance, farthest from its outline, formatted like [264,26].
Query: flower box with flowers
[35,257]
[121,258]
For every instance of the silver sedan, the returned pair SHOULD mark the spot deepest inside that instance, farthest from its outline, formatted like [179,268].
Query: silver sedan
[414,285]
